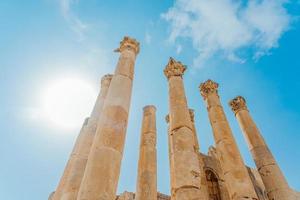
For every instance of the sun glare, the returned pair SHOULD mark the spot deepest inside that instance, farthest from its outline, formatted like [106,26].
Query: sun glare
[66,102]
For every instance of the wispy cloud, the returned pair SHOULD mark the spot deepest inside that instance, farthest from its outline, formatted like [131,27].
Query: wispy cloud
[148,38]
[227,26]
[72,19]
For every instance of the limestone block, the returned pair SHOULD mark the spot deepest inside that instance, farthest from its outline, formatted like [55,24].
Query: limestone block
[186,169]
[100,189]
[119,93]
[179,114]
[182,140]
[189,193]
[126,64]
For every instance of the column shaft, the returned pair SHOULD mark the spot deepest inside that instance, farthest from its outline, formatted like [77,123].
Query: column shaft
[186,174]
[147,167]
[273,178]
[235,173]
[103,167]
[59,190]
[80,158]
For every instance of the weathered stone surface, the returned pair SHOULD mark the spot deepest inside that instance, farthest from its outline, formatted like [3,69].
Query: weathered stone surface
[62,183]
[272,177]
[103,167]
[235,173]
[147,167]
[184,161]
[80,157]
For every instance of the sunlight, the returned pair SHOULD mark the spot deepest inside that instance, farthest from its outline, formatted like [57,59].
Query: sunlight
[67,102]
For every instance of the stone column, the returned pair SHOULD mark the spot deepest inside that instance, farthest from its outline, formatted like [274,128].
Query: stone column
[59,190]
[79,159]
[273,178]
[235,173]
[102,171]
[147,168]
[203,182]
[170,147]
[186,170]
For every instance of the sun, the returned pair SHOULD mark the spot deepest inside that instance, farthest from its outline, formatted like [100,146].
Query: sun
[66,102]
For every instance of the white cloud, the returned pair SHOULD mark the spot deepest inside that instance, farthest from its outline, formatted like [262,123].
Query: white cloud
[72,19]
[227,26]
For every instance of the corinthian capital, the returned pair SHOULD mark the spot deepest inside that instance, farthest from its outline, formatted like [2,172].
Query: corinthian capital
[129,43]
[105,80]
[174,68]
[208,87]
[237,104]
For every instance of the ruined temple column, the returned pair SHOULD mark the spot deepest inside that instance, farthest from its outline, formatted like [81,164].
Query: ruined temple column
[147,167]
[203,182]
[273,178]
[102,171]
[186,173]
[235,173]
[61,185]
[80,158]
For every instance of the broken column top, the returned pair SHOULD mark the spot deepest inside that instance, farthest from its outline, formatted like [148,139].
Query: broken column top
[237,104]
[208,87]
[149,108]
[192,114]
[105,80]
[174,68]
[129,43]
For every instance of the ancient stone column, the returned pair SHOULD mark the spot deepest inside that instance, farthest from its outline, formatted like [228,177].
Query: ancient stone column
[59,190]
[186,174]
[203,182]
[235,173]
[170,147]
[102,171]
[79,159]
[147,167]
[273,178]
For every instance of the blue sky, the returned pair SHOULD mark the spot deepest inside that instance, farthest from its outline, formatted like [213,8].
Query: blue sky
[250,49]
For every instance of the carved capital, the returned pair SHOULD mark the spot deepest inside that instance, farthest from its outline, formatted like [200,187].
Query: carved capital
[129,43]
[167,118]
[192,115]
[208,87]
[174,68]
[106,79]
[237,104]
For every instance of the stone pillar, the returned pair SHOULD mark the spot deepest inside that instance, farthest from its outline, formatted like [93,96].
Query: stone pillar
[203,182]
[273,178]
[79,159]
[102,171]
[235,172]
[147,167]
[167,118]
[59,190]
[186,174]
[196,142]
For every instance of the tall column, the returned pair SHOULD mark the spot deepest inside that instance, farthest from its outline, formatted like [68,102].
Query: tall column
[273,178]
[196,142]
[167,118]
[102,171]
[235,173]
[61,185]
[80,158]
[147,168]
[203,182]
[186,170]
